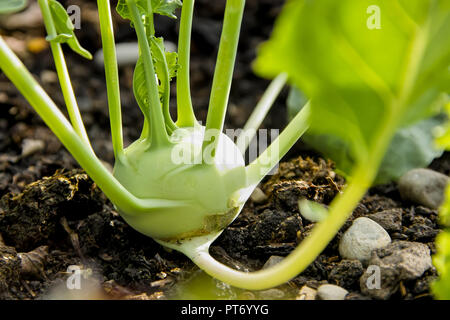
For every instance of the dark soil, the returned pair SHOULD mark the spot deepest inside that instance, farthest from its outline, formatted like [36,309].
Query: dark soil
[52,216]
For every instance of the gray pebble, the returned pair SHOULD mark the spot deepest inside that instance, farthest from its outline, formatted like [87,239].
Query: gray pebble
[273,260]
[364,236]
[423,186]
[331,292]
[128,53]
[271,294]
[401,260]
[390,220]
[258,196]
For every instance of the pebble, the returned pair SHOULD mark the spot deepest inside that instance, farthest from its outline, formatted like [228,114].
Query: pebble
[390,220]
[423,186]
[271,294]
[128,53]
[306,293]
[258,196]
[30,146]
[364,236]
[399,261]
[331,292]
[273,260]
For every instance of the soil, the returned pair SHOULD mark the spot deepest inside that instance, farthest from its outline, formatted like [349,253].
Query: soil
[52,216]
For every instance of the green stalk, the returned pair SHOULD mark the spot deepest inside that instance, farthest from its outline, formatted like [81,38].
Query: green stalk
[262,165]
[260,112]
[158,131]
[63,74]
[223,73]
[111,75]
[55,120]
[185,110]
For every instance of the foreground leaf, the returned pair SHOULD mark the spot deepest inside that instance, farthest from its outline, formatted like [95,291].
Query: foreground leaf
[162,7]
[362,81]
[411,147]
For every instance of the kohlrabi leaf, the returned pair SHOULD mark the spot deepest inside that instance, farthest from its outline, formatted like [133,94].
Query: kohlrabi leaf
[162,7]
[166,7]
[411,147]
[140,88]
[365,73]
[65,29]
[11,6]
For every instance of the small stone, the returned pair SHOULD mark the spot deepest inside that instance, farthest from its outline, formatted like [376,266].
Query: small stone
[258,196]
[30,146]
[390,220]
[128,53]
[306,293]
[399,261]
[49,76]
[271,294]
[273,260]
[364,236]
[331,292]
[423,186]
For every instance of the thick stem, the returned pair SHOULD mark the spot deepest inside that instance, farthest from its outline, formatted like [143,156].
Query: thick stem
[112,75]
[63,74]
[185,110]
[262,165]
[223,73]
[260,112]
[55,120]
[159,134]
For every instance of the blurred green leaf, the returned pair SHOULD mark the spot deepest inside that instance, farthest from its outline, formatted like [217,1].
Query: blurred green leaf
[11,6]
[358,78]
[65,29]
[411,147]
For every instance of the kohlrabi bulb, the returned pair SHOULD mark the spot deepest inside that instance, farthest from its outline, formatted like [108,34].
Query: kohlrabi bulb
[214,186]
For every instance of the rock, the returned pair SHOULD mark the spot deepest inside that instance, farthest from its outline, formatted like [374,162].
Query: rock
[271,294]
[306,293]
[346,273]
[30,146]
[364,236]
[258,196]
[423,186]
[400,260]
[273,260]
[390,220]
[128,53]
[331,292]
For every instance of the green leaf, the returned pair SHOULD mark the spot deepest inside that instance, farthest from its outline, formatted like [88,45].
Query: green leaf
[362,81]
[158,52]
[162,7]
[65,29]
[140,89]
[11,6]
[166,7]
[441,287]
[411,147]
